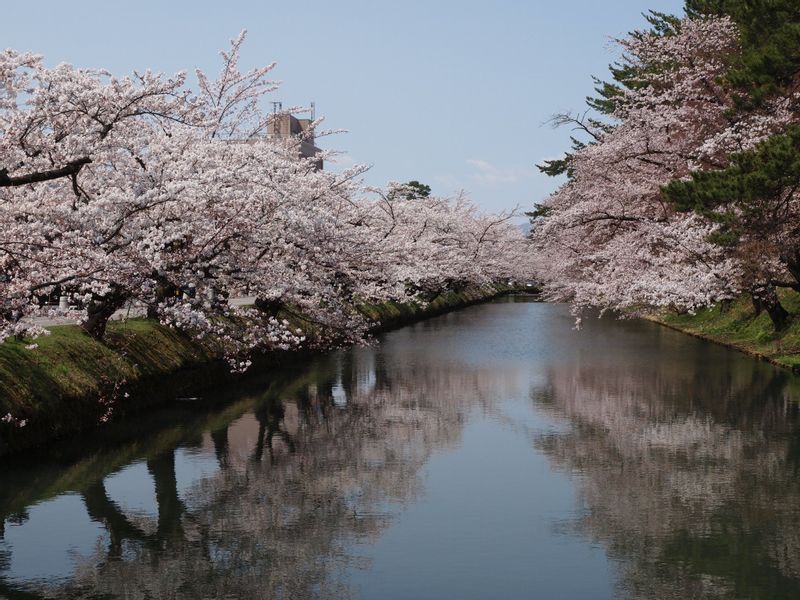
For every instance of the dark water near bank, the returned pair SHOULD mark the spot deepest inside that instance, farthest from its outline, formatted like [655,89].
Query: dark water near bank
[490,453]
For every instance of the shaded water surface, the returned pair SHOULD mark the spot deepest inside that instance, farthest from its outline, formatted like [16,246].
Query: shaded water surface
[490,453]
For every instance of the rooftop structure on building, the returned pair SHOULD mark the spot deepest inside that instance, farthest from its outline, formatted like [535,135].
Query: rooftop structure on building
[285,126]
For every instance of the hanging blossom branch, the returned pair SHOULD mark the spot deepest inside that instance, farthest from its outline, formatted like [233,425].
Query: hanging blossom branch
[141,190]
[607,238]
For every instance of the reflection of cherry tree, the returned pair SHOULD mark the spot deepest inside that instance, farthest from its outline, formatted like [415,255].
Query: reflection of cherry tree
[317,467]
[692,487]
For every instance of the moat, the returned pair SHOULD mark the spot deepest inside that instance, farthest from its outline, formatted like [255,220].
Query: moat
[493,452]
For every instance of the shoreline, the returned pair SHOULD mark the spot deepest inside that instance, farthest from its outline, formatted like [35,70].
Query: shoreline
[72,384]
[738,327]
[726,344]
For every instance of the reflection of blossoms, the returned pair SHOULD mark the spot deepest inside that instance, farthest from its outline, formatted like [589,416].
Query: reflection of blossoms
[673,472]
[11,420]
[314,469]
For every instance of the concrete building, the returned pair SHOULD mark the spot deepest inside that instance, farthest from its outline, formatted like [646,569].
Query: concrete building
[288,127]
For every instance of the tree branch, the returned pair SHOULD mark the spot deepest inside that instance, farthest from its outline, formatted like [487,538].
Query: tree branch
[71,168]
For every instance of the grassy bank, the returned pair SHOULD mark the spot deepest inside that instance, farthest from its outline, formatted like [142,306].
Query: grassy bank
[70,381]
[737,326]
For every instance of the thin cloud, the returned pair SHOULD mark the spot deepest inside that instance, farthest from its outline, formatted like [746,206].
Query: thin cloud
[449,182]
[488,174]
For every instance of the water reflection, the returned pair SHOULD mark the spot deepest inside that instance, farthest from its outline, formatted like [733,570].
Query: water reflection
[687,462]
[262,501]
[622,460]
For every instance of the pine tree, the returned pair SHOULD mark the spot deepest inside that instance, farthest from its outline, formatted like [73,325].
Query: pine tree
[770,37]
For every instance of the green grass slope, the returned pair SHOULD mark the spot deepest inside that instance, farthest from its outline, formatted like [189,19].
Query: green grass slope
[70,380]
[737,326]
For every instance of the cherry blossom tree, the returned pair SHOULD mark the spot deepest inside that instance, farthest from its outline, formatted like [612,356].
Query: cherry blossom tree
[688,195]
[140,189]
[607,237]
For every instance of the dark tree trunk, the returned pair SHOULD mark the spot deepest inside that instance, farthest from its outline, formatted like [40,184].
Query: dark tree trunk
[778,314]
[164,289]
[220,439]
[101,508]
[170,506]
[793,266]
[270,307]
[765,298]
[757,305]
[99,312]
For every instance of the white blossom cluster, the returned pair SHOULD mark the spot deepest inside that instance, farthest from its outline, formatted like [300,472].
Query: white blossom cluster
[608,238]
[139,189]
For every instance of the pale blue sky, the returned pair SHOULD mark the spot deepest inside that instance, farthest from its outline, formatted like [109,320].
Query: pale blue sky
[453,93]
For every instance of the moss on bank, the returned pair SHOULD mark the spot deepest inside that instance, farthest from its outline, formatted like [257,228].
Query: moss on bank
[737,326]
[65,385]
[394,314]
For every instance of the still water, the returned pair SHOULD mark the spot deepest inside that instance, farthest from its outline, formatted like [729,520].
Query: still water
[493,452]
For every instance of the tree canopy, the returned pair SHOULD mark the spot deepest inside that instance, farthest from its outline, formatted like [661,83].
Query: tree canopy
[682,177]
[141,190]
